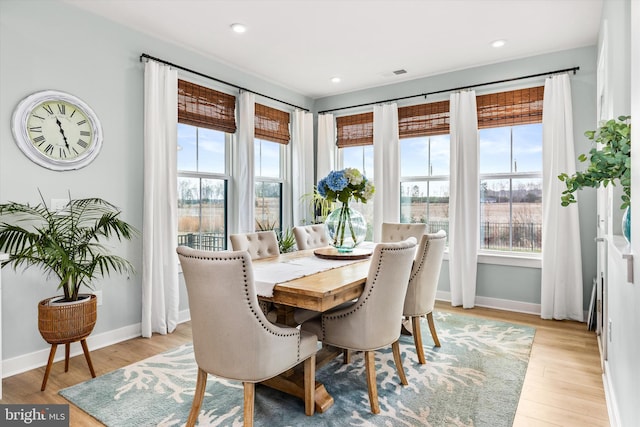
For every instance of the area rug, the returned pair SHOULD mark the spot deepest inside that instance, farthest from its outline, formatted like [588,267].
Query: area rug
[473,379]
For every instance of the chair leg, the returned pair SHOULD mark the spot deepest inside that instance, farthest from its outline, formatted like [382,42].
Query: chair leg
[310,385]
[52,354]
[249,396]
[397,357]
[432,328]
[85,349]
[198,395]
[370,364]
[417,339]
[346,357]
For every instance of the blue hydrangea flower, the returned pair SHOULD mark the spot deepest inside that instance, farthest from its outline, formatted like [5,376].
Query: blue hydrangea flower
[322,187]
[337,181]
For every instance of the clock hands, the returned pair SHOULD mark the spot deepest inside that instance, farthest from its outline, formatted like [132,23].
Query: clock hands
[62,132]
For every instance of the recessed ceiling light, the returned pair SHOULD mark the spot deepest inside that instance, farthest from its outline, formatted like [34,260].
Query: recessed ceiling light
[498,43]
[335,80]
[238,28]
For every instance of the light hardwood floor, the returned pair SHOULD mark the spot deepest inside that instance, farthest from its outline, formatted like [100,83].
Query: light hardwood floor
[563,385]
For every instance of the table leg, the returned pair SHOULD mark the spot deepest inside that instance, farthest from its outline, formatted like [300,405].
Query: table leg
[292,381]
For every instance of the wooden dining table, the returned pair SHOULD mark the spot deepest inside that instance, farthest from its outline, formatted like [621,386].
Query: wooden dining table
[319,292]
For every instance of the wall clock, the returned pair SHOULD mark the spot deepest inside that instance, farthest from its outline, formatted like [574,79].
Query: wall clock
[57,130]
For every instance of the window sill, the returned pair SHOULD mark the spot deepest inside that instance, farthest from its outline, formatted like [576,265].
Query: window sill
[512,260]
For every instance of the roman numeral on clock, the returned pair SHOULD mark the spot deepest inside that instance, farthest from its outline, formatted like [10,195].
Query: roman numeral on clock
[39,140]
[49,149]
[82,143]
[48,109]
[62,108]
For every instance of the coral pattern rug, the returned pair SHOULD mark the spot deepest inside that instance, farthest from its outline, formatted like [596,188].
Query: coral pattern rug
[474,379]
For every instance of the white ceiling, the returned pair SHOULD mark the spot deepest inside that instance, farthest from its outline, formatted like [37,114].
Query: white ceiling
[302,44]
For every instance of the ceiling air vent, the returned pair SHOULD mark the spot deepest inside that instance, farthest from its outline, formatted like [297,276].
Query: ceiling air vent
[398,72]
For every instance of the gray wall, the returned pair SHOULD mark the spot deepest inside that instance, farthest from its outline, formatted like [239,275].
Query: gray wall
[497,281]
[50,45]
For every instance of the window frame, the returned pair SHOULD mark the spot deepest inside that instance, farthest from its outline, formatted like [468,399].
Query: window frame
[225,177]
[509,257]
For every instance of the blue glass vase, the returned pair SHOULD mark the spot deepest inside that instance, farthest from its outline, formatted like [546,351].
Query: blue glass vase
[626,224]
[346,228]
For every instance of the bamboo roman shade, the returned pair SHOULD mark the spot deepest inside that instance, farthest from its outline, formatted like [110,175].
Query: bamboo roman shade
[355,130]
[272,124]
[207,108]
[516,107]
[424,119]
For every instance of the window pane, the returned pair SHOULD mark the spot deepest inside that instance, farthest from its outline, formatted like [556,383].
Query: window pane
[527,215]
[426,202]
[267,158]
[187,148]
[414,156]
[440,153]
[202,213]
[527,148]
[413,202]
[211,151]
[495,214]
[268,205]
[439,206]
[495,150]
[360,158]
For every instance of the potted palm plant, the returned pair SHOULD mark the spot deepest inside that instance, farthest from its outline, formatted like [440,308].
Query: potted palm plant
[65,244]
[609,163]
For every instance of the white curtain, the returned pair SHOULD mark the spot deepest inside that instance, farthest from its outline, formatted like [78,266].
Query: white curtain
[326,145]
[561,295]
[386,167]
[244,164]
[160,295]
[302,178]
[464,199]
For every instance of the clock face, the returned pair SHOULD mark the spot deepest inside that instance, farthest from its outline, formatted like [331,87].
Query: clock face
[57,130]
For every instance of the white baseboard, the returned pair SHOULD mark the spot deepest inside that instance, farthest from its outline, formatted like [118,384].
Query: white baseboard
[26,362]
[497,303]
[612,405]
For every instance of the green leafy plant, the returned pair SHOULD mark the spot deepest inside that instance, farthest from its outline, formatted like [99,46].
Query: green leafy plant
[66,243]
[286,239]
[608,164]
[320,206]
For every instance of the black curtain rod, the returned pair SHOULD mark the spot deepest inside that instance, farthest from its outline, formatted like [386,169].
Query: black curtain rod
[574,69]
[145,56]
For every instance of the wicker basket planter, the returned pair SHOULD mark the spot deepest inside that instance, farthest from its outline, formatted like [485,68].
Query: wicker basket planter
[62,323]
[65,323]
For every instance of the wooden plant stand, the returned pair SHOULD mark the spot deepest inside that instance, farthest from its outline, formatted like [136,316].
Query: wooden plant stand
[64,324]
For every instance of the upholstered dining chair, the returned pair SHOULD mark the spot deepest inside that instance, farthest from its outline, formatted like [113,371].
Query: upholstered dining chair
[423,283]
[232,338]
[397,232]
[311,236]
[261,244]
[371,322]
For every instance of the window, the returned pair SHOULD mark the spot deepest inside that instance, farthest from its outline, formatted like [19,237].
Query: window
[511,188]
[269,184]
[424,181]
[271,139]
[202,188]
[511,170]
[424,164]
[206,120]
[355,149]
